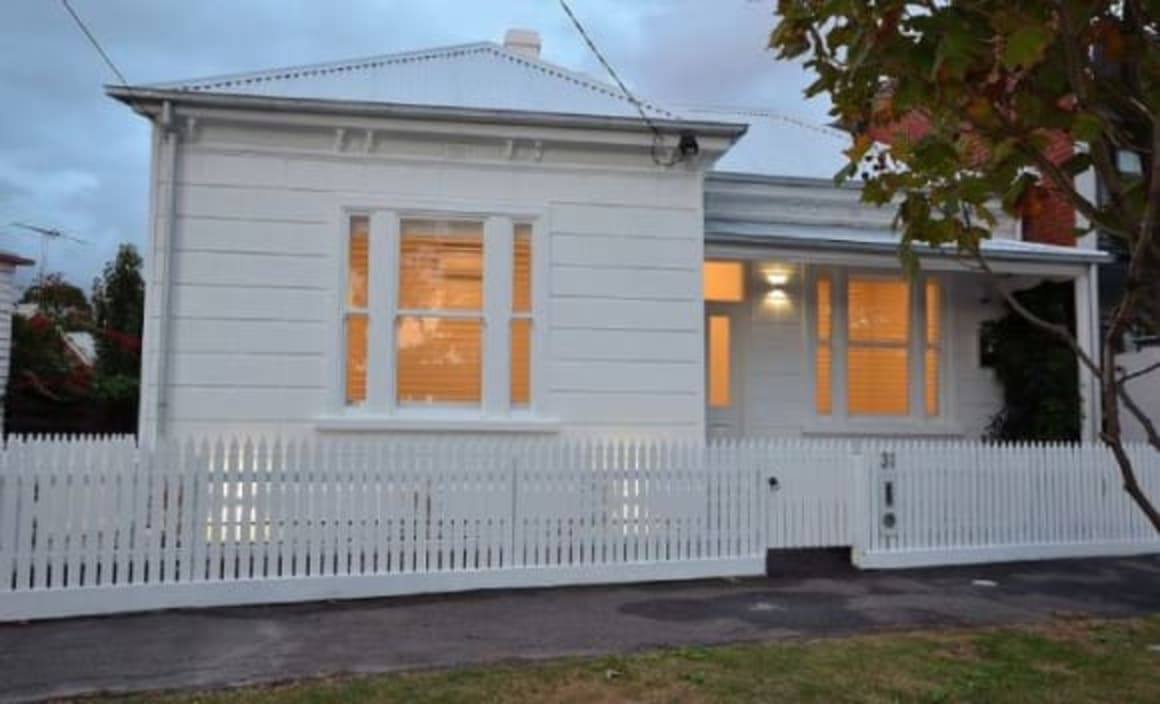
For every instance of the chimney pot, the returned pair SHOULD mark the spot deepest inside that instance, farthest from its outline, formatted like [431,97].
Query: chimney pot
[524,42]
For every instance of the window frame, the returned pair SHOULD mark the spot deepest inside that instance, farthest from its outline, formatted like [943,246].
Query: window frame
[381,408]
[839,418]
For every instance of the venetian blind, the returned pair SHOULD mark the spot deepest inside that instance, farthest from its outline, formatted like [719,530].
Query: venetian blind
[356,320]
[823,399]
[521,325]
[439,327]
[932,347]
[877,358]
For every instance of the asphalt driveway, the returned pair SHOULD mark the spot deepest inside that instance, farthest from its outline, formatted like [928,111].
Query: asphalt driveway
[226,647]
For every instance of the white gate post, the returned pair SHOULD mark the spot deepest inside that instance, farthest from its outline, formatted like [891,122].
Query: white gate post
[863,512]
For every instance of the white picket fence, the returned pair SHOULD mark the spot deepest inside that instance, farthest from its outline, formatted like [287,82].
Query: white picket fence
[939,503]
[92,526]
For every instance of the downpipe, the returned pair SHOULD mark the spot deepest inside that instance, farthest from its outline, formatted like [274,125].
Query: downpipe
[171,136]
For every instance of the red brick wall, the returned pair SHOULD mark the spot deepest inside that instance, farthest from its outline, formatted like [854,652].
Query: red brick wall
[1050,217]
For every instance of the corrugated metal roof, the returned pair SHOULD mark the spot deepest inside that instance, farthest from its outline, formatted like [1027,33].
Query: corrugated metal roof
[483,75]
[778,145]
[869,239]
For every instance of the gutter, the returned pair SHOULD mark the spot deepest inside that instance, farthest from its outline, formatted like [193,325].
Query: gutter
[134,97]
[834,245]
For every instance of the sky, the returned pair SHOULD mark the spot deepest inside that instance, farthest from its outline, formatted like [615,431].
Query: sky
[75,160]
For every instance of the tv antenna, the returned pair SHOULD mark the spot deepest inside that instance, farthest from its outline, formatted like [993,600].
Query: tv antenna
[46,235]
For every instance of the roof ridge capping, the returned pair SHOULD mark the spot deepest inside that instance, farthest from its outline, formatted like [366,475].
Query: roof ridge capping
[222,80]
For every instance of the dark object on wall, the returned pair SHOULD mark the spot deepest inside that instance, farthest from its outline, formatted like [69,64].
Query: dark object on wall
[1038,372]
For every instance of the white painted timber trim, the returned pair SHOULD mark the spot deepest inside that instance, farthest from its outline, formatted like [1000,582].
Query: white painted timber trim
[894,559]
[445,421]
[48,603]
[903,426]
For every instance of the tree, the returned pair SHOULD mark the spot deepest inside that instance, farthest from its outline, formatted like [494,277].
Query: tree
[998,81]
[59,301]
[1037,372]
[119,312]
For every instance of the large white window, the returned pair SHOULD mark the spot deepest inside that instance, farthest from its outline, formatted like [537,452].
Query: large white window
[877,346]
[438,314]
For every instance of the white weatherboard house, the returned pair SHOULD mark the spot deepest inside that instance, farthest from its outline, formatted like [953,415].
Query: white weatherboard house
[471,239]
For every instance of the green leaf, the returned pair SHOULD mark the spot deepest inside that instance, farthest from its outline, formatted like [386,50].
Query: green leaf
[1077,163]
[1086,127]
[1026,46]
[1015,192]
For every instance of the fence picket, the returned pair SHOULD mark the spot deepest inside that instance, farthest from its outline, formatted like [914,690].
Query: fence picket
[82,513]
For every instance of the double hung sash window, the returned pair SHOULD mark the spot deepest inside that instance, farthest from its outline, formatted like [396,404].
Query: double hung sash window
[881,337]
[438,313]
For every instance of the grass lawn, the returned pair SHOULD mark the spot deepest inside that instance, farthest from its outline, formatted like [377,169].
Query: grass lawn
[1066,661]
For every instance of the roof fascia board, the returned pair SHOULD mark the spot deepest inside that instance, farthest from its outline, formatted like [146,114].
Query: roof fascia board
[150,101]
[711,148]
[728,179]
[878,260]
[1077,258]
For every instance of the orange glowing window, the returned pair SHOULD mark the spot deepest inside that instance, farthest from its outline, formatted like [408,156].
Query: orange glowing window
[521,324]
[723,281]
[933,346]
[823,363]
[441,324]
[719,363]
[877,358]
[356,310]
[438,333]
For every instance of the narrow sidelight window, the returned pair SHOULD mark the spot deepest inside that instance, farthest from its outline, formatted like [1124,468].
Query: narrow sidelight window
[932,346]
[719,361]
[356,319]
[824,361]
[521,323]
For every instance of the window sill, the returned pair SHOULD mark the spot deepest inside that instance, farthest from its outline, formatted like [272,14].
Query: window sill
[884,427]
[430,423]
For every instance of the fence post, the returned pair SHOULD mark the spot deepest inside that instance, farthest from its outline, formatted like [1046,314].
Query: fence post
[863,513]
[514,558]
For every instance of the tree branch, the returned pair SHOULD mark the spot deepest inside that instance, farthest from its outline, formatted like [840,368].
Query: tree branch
[1058,331]
[1141,417]
[1109,393]
[1138,373]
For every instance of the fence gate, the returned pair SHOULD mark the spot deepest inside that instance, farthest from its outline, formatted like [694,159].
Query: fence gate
[809,494]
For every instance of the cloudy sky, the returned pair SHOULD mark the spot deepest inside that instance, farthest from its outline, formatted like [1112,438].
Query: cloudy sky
[73,159]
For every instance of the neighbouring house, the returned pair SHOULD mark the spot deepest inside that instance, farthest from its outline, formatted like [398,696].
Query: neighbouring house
[472,239]
[8,264]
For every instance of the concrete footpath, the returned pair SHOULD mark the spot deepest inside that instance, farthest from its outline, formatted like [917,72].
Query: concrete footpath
[235,646]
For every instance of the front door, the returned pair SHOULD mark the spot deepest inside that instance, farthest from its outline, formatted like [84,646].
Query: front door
[724,354]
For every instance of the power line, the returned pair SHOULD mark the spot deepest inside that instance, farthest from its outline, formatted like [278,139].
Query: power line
[657,137]
[93,40]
